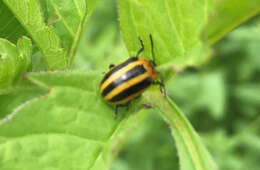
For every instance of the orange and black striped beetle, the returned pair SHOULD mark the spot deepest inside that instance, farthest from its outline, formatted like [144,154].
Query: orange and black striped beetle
[128,80]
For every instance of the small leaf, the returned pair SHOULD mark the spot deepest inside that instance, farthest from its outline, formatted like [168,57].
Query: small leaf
[29,15]
[68,18]
[57,42]
[227,15]
[14,60]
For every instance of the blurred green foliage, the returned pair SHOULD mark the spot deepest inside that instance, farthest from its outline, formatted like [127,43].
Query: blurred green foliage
[221,98]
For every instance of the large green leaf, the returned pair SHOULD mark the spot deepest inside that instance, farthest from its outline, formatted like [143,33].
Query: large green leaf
[68,128]
[14,60]
[174,24]
[55,26]
[227,15]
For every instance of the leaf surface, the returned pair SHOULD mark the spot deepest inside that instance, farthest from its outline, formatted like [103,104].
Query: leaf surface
[227,15]
[70,127]
[174,24]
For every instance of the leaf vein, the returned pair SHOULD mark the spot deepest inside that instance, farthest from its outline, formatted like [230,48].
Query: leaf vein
[72,33]
[77,7]
[173,26]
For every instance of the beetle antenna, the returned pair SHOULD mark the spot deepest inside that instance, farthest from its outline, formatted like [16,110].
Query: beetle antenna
[152,49]
[141,49]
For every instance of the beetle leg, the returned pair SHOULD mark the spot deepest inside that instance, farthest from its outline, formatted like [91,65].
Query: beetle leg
[162,87]
[111,66]
[117,106]
[141,49]
[116,111]
[147,106]
[127,105]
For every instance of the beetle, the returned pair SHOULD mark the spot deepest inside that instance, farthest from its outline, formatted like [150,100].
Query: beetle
[128,80]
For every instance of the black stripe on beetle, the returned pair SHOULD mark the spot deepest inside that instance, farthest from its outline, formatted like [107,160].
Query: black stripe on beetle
[132,90]
[127,76]
[114,70]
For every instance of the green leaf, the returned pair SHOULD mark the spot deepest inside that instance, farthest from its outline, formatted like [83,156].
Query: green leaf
[29,15]
[174,25]
[227,15]
[10,28]
[14,60]
[17,97]
[68,19]
[70,127]
[192,153]
[55,26]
